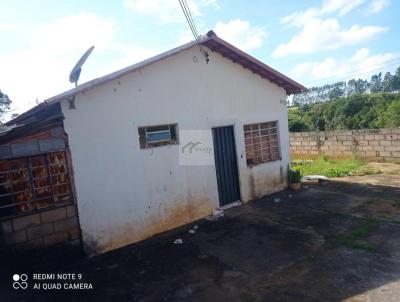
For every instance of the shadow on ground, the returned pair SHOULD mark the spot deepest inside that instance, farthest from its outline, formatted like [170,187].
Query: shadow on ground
[336,241]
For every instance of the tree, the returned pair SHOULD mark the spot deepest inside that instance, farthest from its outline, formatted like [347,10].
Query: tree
[296,123]
[358,111]
[375,84]
[393,114]
[396,80]
[5,103]
[387,83]
[336,93]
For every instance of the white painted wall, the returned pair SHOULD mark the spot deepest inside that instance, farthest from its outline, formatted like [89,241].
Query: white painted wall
[126,194]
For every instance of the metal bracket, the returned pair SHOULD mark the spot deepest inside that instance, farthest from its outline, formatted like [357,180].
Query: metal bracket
[71,102]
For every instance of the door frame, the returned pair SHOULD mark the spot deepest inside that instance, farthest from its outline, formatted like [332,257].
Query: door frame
[237,163]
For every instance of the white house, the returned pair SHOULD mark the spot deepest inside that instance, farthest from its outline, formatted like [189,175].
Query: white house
[163,142]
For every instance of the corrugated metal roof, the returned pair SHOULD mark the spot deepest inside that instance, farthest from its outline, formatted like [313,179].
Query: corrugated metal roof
[210,41]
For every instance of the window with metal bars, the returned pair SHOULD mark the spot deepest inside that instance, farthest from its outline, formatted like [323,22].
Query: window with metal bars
[261,142]
[33,183]
[154,136]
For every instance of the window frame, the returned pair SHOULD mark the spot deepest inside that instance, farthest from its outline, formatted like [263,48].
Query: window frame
[36,185]
[251,161]
[145,143]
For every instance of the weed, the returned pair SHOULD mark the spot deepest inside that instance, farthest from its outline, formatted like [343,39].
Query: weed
[354,239]
[294,176]
[330,168]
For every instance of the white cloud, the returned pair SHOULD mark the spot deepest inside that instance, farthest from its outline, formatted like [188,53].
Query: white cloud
[361,65]
[238,32]
[39,65]
[241,34]
[341,7]
[168,11]
[375,6]
[318,35]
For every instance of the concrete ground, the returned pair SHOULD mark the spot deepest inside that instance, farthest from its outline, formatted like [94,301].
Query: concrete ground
[337,241]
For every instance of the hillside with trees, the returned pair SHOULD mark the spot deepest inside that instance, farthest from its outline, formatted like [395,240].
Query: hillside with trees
[378,83]
[355,104]
[358,111]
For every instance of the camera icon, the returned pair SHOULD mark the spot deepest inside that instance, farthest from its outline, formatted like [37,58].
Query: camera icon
[20,281]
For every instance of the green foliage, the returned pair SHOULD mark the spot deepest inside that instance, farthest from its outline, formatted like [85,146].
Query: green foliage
[295,176]
[358,111]
[356,238]
[5,102]
[329,168]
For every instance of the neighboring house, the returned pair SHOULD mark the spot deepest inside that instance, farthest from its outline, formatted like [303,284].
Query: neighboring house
[145,149]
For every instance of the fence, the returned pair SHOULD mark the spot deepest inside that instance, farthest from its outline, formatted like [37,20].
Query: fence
[370,144]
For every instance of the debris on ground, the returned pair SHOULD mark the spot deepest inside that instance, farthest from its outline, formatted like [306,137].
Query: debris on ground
[310,181]
[178,241]
[276,200]
[217,213]
[191,231]
[313,179]
[231,205]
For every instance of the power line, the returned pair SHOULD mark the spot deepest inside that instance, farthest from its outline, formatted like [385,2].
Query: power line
[352,74]
[189,18]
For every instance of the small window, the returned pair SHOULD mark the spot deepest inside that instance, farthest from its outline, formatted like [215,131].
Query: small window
[154,136]
[261,142]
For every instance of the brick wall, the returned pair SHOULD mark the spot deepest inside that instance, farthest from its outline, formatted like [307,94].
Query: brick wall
[371,144]
[41,230]
[45,141]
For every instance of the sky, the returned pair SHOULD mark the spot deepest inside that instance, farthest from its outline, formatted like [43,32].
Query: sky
[315,42]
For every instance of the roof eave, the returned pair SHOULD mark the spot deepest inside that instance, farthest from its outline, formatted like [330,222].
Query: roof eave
[211,41]
[238,56]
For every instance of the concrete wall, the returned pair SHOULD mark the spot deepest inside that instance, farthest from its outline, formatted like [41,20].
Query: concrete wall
[370,144]
[49,227]
[40,231]
[39,143]
[126,194]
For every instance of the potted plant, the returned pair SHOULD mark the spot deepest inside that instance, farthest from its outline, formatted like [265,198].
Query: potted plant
[295,179]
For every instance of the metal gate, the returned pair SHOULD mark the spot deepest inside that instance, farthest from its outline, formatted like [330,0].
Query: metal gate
[226,165]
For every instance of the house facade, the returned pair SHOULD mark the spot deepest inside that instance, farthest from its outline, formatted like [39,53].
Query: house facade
[127,134]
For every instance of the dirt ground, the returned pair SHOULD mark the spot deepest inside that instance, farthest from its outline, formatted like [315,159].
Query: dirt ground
[337,241]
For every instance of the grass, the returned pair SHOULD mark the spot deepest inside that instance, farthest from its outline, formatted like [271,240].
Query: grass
[354,239]
[331,168]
